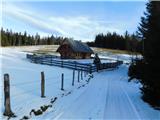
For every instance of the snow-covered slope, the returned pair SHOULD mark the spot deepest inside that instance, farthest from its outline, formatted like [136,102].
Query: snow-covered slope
[108,95]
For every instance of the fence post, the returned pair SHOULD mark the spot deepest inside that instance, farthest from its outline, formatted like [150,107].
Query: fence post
[51,60]
[90,69]
[85,73]
[75,65]
[35,60]
[81,74]
[42,85]
[41,60]
[62,63]
[62,81]
[73,78]
[8,111]
[78,75]
[111,65]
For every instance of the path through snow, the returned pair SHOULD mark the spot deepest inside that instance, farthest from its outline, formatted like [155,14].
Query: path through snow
[107,96]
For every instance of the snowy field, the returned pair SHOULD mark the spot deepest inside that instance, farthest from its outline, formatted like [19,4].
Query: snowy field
[107,95]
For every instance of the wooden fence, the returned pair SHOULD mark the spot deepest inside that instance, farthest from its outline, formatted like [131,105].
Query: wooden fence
[7,101]
[50,60]
[82,70]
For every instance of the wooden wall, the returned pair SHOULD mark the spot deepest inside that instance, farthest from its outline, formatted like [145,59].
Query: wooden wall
[67,53]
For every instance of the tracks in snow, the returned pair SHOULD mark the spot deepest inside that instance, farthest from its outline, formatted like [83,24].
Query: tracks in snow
[118,103]
[105,97]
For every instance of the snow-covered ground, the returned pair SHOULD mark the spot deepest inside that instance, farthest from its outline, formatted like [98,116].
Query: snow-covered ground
[25,81]
[108,95]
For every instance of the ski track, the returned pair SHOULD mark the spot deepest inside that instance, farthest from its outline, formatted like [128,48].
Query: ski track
[103,98]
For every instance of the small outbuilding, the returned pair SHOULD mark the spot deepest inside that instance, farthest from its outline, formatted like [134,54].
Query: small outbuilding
[73,49]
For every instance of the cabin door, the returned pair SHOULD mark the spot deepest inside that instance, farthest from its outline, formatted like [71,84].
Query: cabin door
[83,56]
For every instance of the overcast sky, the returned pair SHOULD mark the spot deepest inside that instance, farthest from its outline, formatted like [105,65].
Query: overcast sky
[80,20]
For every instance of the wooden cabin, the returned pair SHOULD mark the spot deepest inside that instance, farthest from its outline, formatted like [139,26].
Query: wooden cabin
[72,49]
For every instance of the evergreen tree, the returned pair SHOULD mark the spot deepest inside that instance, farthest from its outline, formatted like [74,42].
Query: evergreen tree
[37,39]
[52,39]
[127,41]
[4,41]
[24,38]
[149,31]
[19,39]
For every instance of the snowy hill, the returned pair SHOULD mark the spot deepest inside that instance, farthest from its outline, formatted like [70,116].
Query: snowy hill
[107,95]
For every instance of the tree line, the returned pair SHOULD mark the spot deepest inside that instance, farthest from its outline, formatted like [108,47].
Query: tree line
[109,40]
[10,38]
[116,41]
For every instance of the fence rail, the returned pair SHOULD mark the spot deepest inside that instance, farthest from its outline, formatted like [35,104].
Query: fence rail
[50,60]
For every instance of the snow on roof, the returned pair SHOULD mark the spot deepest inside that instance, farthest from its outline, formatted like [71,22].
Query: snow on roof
[78,46]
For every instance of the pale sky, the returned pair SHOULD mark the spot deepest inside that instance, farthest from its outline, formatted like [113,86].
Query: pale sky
[80,20]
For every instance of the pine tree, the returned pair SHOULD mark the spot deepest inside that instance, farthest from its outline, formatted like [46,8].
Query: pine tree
[24,38]
[149,31]
[127,41]
[4,41]
[37,39]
